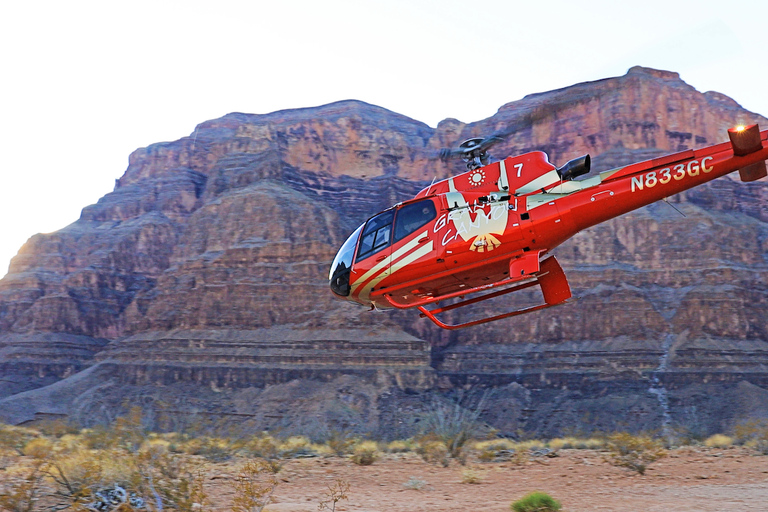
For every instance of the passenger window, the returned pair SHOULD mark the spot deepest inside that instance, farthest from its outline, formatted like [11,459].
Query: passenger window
[413,216]
[376,235]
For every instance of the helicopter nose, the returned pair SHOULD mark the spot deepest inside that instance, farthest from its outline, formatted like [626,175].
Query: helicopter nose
[339,282]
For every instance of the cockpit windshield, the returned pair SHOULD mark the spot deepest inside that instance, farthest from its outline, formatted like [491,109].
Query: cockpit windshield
[342,265]
[377,234]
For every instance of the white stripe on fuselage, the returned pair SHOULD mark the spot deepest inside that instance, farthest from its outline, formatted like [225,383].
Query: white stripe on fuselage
[383,264]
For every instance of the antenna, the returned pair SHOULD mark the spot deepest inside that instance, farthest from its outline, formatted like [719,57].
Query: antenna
[430,186]
[673,207]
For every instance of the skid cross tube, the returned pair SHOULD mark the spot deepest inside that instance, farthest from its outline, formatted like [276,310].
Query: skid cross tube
[431,300]
[437,322]
[482,298]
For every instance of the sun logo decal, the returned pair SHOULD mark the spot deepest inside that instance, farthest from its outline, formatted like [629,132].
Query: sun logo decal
[477,177]
[485,243]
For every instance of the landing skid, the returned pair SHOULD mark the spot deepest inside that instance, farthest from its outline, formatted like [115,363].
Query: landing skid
[551,279]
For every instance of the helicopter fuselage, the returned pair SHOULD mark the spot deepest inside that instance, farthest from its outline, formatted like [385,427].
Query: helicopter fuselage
[496,225]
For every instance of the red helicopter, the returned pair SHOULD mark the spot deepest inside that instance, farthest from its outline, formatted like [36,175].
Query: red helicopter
[496,224]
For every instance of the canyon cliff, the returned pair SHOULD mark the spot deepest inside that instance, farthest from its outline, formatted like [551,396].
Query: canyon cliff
[199,285]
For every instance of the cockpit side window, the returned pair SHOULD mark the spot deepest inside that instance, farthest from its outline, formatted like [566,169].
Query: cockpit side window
[376,236]
[412,216]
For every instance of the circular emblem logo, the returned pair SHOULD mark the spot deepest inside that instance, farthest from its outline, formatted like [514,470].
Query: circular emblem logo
[477,177]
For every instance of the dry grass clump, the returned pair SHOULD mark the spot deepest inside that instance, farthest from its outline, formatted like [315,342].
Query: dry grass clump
[295,446]
[365,453]
[470,476]
[494,449]
[415,484]
[563,443]
[262,445]
[718,441]
[433,451]
[212,448]
[400,446]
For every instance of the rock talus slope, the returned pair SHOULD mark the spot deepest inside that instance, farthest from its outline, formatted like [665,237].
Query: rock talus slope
[206,268]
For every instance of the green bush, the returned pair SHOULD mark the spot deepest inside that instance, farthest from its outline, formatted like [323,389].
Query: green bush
[536,502]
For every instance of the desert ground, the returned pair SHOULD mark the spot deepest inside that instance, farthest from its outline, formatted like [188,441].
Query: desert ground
[688,479]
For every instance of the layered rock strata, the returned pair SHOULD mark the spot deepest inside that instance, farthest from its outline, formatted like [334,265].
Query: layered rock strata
[207,266]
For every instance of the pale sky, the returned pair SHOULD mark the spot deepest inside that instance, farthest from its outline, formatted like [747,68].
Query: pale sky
[84,83]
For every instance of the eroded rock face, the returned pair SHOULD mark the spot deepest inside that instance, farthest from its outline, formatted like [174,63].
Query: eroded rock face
[233,228]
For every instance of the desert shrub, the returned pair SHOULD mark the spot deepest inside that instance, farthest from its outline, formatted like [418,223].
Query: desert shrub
[536,502]
[759,445]
[254,486]
[97,438]
[335,493]
[470,476]
[718,441]
[75,478]
[22,496]
[70,443]
[57,428]
[129,430]
[263,446]
[633,452]
[39,448]
[433,451]
[167,480]
[753,434]
[340,443]
[453,424]
[365,453]
[415,484]
[15,438]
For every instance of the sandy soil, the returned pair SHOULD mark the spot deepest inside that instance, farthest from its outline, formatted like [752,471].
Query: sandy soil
[689,479]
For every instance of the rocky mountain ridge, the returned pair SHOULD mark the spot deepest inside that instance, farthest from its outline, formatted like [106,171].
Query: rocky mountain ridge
[232,229]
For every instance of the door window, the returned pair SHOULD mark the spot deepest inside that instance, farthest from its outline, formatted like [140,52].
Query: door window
[413,216]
